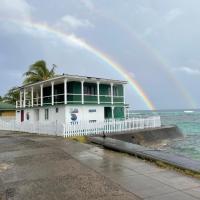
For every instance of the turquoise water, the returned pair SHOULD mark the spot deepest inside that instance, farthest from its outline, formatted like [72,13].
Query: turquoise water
[189,123]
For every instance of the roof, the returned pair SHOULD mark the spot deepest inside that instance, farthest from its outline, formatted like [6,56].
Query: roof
[6,107]
[75,78]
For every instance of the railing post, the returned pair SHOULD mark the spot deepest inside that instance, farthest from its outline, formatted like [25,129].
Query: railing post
[113,113]
[111,86]
[41,95]
[24,98]
[82,92]
[52,93]
[124,93]
[20,99]
[32,96]
[98,95]
[65,91]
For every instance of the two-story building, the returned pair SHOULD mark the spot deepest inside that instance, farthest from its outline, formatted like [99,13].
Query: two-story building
[71,98]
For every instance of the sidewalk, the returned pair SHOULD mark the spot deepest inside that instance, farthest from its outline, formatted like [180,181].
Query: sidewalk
[35,167]
[142,178]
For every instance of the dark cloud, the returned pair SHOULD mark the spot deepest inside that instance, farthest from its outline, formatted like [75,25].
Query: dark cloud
[151,39]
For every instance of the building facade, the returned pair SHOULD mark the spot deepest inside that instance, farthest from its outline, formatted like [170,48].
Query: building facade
[7,110]
[70,98]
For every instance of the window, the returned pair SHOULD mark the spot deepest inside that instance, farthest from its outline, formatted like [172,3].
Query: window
[115,91]
[92,121]
[27,116]
[92,110]
[57,110]
[109,91]
[90,89]
[46,114]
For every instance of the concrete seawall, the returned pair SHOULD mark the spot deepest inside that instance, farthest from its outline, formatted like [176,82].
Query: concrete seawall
[149,137]
[178,161]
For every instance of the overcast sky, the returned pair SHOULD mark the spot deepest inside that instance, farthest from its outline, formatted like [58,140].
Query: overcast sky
[157,42]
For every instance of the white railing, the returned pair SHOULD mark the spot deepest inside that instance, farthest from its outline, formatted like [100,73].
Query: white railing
[37,100]
[82,128]
[108,127]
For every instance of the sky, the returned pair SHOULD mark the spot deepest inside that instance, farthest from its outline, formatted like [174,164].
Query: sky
[156,42]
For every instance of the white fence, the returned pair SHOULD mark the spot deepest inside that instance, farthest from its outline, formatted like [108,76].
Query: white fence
[108,127]
[10,124]
[82,128]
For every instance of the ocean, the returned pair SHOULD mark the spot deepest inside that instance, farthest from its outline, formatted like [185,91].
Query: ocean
[189,123]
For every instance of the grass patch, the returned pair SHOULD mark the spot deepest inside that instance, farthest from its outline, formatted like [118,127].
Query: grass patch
[81,139]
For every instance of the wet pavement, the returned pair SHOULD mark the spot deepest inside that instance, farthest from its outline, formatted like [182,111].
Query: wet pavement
[37,167]
[173,159]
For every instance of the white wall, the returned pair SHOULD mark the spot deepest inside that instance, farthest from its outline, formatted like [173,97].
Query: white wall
[64,114]
[84,112]
[18,116]
[53,115]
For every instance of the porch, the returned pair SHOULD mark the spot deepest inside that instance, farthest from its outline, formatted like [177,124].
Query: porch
[64,90]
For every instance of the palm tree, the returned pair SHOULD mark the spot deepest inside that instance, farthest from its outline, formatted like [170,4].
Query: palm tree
[39,72]
[1,99]
[12,96]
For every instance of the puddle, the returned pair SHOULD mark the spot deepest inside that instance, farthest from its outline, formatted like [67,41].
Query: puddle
[4,167]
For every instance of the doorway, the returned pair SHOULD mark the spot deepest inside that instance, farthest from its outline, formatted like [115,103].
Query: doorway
[22,115]
[107,112]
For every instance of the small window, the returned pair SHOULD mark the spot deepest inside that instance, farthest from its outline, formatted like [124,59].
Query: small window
[92,121]
[57,110]
[46,114]
[27,116]
[92,110]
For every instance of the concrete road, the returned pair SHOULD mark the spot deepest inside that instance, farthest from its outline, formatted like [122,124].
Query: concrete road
[41,168]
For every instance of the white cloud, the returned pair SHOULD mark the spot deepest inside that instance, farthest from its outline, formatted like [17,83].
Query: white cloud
[187,70]
[15,9]
[173,14]
[75,22]
[71,22]
[88,4]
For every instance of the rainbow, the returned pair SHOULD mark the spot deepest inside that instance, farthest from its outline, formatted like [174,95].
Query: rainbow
[70,38]
[158,58]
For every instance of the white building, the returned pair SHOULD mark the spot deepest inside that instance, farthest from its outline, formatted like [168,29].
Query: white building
[71,98]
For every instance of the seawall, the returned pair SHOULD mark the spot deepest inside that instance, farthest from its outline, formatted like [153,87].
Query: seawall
[175,160]
[149,137]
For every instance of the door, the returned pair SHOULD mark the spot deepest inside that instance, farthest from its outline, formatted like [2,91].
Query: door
[22,115]
[107,112]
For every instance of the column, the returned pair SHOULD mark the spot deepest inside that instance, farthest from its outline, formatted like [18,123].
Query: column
[98,96]
[20,99]
[111,85]
[41,95]
[37,98]
[52,93]
[82,92]
[65,91]
[32,97]
[124,94]
[112,112]
[24,98]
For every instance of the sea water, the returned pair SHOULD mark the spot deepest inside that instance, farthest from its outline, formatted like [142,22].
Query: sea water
[189,123]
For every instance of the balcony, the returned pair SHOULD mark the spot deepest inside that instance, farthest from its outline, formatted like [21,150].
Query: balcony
[59,99]
[70,92]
